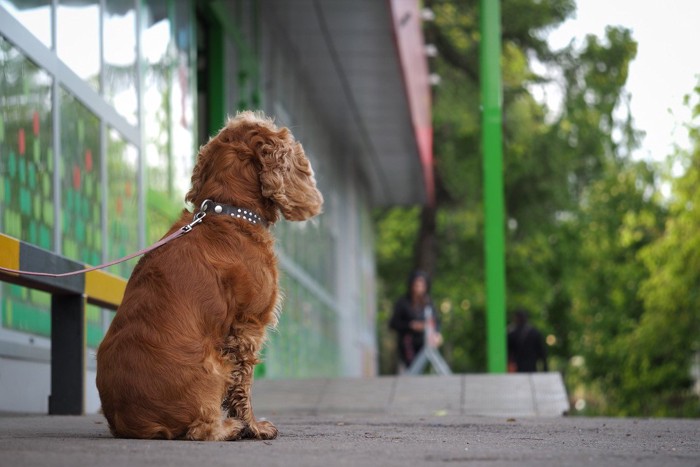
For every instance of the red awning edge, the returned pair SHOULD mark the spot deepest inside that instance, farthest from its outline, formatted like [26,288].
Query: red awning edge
[410,45]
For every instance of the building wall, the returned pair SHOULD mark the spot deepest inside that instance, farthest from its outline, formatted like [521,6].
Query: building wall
[96,150]
[328,262]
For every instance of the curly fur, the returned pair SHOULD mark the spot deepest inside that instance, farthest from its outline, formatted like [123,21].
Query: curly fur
[177,361]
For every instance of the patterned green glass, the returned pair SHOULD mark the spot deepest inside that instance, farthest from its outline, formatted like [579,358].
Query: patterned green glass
[122,202]
[81,193]
[26,181]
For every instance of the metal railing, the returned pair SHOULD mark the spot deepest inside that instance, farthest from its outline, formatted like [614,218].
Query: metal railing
[69,298]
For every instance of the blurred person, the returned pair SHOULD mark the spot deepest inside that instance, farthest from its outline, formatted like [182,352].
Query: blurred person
[526,346]
[412,313]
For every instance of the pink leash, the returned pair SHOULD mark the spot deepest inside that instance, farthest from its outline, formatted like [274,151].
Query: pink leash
[178,233]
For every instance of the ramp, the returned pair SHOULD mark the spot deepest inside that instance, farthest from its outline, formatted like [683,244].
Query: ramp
[488,395]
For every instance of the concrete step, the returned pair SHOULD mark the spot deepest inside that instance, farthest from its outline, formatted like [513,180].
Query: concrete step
[502,395]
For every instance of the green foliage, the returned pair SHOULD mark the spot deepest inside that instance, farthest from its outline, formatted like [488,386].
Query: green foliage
[616,220]
[668,335]
[607,266]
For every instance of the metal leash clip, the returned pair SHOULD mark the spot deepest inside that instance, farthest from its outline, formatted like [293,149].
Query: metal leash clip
[197,217]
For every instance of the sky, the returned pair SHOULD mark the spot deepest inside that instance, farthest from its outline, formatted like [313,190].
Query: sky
[666,68]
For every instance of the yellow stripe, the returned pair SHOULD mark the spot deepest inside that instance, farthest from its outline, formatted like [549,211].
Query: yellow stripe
[104,287]
[9,252]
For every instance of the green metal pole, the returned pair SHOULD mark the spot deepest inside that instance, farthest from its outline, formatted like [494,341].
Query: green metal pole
[492,141]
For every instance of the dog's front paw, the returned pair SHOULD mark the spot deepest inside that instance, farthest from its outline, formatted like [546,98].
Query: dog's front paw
[261,430]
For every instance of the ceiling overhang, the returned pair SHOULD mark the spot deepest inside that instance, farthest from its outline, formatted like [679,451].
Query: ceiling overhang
[369,74]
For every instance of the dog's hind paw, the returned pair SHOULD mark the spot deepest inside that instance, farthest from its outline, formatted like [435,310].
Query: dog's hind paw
[261,430]
[228,429]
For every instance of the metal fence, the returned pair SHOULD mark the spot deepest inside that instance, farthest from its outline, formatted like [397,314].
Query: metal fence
[69,298]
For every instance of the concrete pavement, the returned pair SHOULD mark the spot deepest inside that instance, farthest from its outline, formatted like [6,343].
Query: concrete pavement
[366,440]
[336,428]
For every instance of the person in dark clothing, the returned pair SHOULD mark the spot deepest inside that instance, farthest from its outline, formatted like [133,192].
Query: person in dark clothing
[525,345]
[409,318]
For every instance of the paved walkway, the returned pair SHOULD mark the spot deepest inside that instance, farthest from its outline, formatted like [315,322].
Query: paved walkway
[509,395]
[357,423]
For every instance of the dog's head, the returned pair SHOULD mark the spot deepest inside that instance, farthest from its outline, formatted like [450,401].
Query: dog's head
[253,162]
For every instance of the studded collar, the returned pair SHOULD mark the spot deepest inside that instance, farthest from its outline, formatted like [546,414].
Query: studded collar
[211,207]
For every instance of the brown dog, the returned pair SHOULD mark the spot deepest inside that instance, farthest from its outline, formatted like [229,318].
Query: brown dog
[177,361]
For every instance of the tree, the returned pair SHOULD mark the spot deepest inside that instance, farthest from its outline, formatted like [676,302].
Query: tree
[606,264]
[456,222]
[620,216]
[668,334]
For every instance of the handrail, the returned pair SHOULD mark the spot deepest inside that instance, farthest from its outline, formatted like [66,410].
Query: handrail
[69,296]
[99,287]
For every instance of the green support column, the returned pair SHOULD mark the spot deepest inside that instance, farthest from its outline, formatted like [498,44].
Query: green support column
[492,142]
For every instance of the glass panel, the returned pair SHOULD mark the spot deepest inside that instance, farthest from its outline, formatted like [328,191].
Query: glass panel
[306,344]
[25,310]
[296,238]
[119,41]
[81,193]
[183,85]
[93,325]
[77,38]
[122,202]
[35,15]
[168,111]
[244,68]
[26,181]
[26,158]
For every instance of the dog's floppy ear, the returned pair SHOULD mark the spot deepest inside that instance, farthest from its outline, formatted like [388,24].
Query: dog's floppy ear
[286,177]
